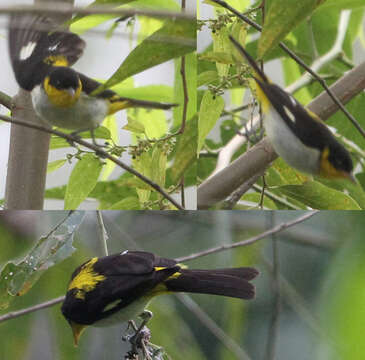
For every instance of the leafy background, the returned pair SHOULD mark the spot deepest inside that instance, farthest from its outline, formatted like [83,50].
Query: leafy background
[285,21]
[321,262]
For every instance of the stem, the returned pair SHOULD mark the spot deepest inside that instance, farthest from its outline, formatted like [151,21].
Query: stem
[274,230]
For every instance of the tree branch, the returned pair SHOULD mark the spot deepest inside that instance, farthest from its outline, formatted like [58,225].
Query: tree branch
[276,229]
[259,157]
[15,314]
[98,151]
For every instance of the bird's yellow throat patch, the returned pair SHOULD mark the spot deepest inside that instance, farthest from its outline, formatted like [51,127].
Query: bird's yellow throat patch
[86,280]
[61,98]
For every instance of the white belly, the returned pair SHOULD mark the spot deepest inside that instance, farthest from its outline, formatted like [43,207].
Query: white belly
[289,147]
[86,113]
[129,312]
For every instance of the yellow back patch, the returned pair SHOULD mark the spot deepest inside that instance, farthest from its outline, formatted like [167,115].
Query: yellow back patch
[265,102]
[86,280]
[61,98]
[56,60]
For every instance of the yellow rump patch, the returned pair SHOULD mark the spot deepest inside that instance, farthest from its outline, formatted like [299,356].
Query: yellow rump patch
[118,105]
[86,280]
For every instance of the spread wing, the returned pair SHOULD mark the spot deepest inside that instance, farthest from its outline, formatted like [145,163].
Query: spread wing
[35,46]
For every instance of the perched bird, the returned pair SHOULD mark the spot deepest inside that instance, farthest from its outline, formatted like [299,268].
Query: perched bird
[41,56]
[298,135]
[116,288]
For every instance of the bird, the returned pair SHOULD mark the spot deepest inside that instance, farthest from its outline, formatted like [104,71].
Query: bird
[298,135]
[41,55]
[116,288]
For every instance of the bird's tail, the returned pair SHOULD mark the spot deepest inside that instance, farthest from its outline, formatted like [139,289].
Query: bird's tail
[226,282]
[120,103]
[259,74]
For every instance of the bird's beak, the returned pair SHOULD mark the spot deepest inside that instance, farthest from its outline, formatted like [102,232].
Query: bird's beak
[77,330]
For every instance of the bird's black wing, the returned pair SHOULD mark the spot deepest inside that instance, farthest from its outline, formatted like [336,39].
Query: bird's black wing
[35,46]
[128,276]
[309,129]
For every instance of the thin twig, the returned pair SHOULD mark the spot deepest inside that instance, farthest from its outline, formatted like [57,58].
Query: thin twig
[274,230]
[291,296]
[15,314]
[334,52]
[217,331]
[300,62]
[276,198]
[98,151]
[103,232]
[64,9]
[182,191]
[237,194]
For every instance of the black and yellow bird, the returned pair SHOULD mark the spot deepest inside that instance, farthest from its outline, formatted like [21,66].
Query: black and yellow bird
[117,288]
[41,56]
[298,135]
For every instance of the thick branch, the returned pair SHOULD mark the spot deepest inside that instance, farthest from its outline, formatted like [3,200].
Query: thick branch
[259,157]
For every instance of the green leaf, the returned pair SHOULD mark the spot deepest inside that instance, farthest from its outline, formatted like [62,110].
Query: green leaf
[207,77]
[110,124]
[174,39]
[210,110]
[219,57]
[134,126]
[343,4]
[86,23]
[319,196]
[83,25]
[222,48]
[16,279]
[54,165]
[342,301]
[158,165]
[143,165]
[153,120]
[283,16]
[129,203]
[280,173]
[82,180]
[186,150]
